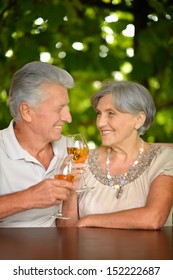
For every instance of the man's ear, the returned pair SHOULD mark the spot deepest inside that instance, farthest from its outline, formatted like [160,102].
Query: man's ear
[140,119]
[25,111]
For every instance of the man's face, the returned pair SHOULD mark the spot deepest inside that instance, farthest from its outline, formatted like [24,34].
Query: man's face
[48,118]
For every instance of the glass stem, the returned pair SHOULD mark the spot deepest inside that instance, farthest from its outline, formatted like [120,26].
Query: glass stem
[60,208]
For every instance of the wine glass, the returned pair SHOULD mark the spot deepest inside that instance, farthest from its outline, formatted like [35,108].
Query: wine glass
[67,175]
[77,145]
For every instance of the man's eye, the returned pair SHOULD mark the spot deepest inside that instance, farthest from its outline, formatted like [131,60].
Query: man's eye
[57,110]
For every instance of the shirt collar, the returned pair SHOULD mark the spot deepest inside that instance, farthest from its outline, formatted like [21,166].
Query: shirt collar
[15,151]
[12,146]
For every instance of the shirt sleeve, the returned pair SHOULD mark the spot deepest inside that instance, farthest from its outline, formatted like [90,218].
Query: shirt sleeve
[162,164]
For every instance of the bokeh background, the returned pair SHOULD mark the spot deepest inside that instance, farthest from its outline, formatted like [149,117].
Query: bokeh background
[95,40]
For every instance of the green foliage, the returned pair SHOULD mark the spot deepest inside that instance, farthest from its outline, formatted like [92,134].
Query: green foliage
[31,28]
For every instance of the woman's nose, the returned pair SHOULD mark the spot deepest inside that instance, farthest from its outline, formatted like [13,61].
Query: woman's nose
[101,121]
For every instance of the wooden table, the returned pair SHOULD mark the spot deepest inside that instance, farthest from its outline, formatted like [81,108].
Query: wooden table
[85,244]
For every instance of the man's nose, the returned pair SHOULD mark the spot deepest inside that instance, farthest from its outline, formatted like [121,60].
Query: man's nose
[66,116]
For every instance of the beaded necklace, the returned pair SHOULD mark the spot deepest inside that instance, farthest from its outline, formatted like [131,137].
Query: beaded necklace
[122,181]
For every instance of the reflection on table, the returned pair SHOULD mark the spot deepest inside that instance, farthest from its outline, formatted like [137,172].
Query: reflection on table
[85,244]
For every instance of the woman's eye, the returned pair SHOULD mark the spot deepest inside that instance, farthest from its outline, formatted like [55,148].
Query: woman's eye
[111,113]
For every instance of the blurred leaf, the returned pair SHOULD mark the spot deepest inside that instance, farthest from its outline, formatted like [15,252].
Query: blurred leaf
[105,52]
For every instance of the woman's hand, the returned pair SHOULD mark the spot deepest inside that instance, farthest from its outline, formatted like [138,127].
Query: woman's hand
[77,168]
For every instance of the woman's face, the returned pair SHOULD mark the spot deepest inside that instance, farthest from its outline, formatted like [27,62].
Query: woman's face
[115,127]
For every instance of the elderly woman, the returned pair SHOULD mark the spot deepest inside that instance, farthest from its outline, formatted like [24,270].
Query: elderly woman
[132,179]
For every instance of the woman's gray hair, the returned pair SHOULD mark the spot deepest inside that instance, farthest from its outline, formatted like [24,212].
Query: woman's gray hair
[129,97]
[26,84]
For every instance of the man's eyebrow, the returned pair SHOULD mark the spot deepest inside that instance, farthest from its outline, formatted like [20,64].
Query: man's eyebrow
[62,105]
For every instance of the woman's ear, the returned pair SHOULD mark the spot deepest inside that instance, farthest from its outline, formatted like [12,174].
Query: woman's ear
[140,119]
[26,112]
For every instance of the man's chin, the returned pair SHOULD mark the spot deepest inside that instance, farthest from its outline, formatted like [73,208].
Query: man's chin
[56,138]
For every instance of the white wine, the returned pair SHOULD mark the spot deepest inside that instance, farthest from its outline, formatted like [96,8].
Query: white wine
[68,177]
[79,154]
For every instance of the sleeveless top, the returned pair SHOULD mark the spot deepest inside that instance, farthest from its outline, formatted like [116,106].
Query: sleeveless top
[101,199]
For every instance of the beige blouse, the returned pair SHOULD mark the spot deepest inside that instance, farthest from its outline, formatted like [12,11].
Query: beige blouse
[101,198]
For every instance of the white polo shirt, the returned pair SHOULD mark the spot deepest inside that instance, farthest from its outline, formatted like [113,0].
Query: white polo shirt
[18,171]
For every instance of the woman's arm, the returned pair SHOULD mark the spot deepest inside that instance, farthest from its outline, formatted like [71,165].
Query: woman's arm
[152,216]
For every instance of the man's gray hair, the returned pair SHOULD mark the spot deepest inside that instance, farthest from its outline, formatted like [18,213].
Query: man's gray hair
[26,84]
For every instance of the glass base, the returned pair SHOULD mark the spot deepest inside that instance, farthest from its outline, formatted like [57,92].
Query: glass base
[60,217]
[84,189]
